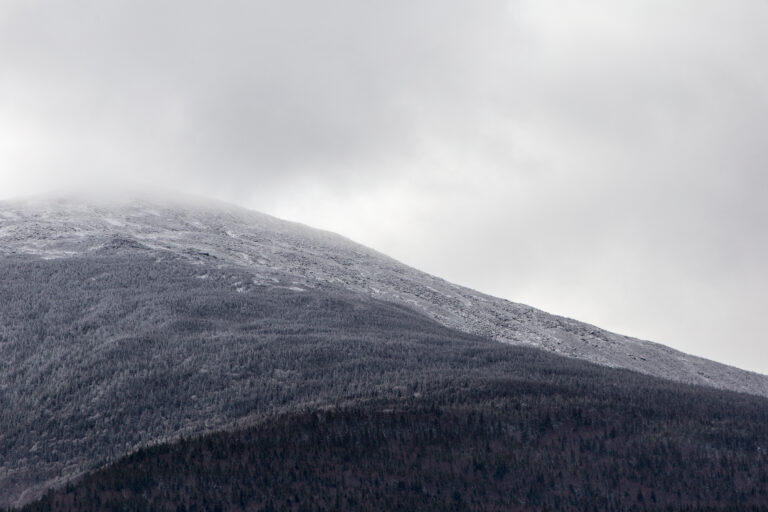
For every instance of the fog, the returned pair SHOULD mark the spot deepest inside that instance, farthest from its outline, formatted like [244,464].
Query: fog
[600,160]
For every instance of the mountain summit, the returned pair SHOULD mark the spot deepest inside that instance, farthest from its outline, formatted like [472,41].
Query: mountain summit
[129,323]
[269,252]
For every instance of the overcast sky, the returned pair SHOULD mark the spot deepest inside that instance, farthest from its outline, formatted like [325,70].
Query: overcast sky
[602,160]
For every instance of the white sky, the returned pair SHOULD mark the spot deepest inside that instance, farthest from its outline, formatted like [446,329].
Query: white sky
[600,160]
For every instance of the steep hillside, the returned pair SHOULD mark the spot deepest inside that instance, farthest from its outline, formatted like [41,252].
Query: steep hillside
[272,252]
[101,354]
[551,440]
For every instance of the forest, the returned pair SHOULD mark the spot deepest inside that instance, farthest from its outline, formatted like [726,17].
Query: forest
[466,444]
[228,395]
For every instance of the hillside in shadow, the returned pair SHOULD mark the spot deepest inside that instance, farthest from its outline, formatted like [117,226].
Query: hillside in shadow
[551,436]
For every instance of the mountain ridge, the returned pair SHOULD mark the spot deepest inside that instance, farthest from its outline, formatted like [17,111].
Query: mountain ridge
[275,250]
[128,325]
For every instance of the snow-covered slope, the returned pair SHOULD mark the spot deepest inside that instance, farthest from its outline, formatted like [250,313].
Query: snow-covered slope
[287,255]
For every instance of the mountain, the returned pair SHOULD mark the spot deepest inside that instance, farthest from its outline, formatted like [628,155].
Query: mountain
[265,251]
[130,323]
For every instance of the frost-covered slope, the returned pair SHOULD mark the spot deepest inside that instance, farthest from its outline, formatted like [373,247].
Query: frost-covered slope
[286,255]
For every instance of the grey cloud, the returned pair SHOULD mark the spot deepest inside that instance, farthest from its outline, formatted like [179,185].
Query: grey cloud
[603,160]
[248,88]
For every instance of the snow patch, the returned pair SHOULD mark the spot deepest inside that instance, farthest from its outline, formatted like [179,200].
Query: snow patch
[113,221]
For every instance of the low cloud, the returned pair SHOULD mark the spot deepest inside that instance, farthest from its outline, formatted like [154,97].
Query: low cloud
[603,160]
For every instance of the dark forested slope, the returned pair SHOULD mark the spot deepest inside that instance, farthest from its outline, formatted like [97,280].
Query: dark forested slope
[551,439]
[124,347]
[101,354]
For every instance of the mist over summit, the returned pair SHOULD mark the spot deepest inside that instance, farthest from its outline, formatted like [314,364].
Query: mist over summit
[478,167]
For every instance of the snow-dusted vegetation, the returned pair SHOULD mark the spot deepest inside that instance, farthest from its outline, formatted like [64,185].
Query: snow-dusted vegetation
[126,326]
[271,252]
